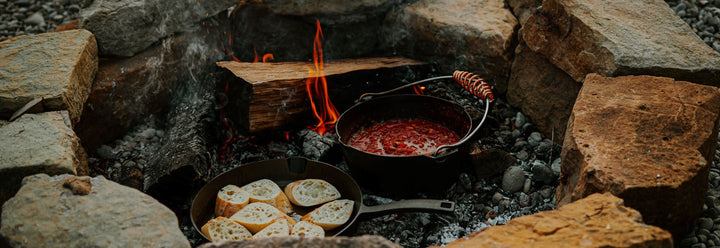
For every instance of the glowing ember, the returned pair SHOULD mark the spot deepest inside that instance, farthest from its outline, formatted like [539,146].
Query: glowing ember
[420,90]
[316,86]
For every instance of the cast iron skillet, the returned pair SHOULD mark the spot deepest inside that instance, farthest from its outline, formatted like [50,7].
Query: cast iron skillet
[284,171]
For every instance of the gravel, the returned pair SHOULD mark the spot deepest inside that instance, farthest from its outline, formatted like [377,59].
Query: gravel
[703,16]
[20,17]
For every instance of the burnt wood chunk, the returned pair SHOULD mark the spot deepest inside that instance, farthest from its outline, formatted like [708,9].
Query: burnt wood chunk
[266,96]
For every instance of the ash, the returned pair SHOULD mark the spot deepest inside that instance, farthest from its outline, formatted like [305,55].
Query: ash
[124,160]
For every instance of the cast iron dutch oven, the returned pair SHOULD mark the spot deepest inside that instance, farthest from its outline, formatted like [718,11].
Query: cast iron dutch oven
[406,175]
[284,171]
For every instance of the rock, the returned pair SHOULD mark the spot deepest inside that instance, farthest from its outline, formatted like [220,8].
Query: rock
[126,27]
[369,241]
[128,90]
[78,185]
[513,179]
[490,162]
[627,38]
[476,36]
[645,139]
[35,19]
[600,220]
[267,32]
[45,214]
[38,143]
[354,9]
[57,67]
[556,166]
[542,173]
[524,8]
[542,91]
[68,26]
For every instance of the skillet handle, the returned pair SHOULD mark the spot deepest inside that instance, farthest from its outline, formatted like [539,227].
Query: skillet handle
[423,205]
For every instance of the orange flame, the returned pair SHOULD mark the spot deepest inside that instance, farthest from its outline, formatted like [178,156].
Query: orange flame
[316,86]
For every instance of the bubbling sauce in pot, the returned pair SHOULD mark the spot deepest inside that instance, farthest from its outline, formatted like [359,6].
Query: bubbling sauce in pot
[403,137]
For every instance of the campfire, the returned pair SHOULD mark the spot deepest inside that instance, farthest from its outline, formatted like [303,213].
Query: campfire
[430,123]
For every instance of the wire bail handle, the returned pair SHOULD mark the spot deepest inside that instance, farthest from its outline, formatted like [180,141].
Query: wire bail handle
[474,84]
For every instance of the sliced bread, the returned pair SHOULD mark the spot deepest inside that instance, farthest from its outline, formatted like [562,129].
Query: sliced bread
[230,199]
[307,229]
[311,192]
[280,227]
[222,229]
[256,216]
[331,215]
[267,191]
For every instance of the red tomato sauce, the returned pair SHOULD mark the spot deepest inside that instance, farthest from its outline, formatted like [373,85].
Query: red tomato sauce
[403,137]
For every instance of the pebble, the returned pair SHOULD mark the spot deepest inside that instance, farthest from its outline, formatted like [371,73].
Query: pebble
[36,19]
[513,179]
[497,197]
[522,155]
[542,173]
[536,136]
[519,120]
[527,185]
[705,223]
[556,166]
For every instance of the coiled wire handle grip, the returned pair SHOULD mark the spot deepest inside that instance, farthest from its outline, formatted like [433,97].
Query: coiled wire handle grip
[474,84]
[471,82]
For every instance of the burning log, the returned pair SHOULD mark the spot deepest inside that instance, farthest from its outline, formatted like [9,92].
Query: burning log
[266,96]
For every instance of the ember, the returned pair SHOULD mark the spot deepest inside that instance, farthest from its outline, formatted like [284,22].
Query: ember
[403,137]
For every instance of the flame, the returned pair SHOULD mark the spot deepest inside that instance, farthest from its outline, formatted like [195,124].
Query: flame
[420,90]
[316,86]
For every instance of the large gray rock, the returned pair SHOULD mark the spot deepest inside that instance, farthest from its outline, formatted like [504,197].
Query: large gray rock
[627,37]
[290,38]
[38,143]
[57,67]
[126,27]
[66,211]
[542,91]
[475,36]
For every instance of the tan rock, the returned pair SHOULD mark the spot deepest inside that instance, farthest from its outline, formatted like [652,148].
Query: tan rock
[365,241]
[475,36]
[627,37]
[542,91]
[38,143]
[645,139]
[57,67]
[600,220]
[44,213]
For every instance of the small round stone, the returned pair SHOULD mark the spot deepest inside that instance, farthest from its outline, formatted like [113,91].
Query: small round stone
[513,179]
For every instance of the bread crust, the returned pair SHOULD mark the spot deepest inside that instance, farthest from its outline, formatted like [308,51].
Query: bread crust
[267,191]
[230,199]
[221,229]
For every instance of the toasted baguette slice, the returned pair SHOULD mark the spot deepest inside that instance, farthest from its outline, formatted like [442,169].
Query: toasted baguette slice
[311,192]
[267,191]
[307,229]
[258,215]
[331,215]
[230,199]
[280,227]
[222,229]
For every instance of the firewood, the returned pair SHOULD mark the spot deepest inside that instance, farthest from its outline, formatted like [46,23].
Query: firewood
[266,96]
